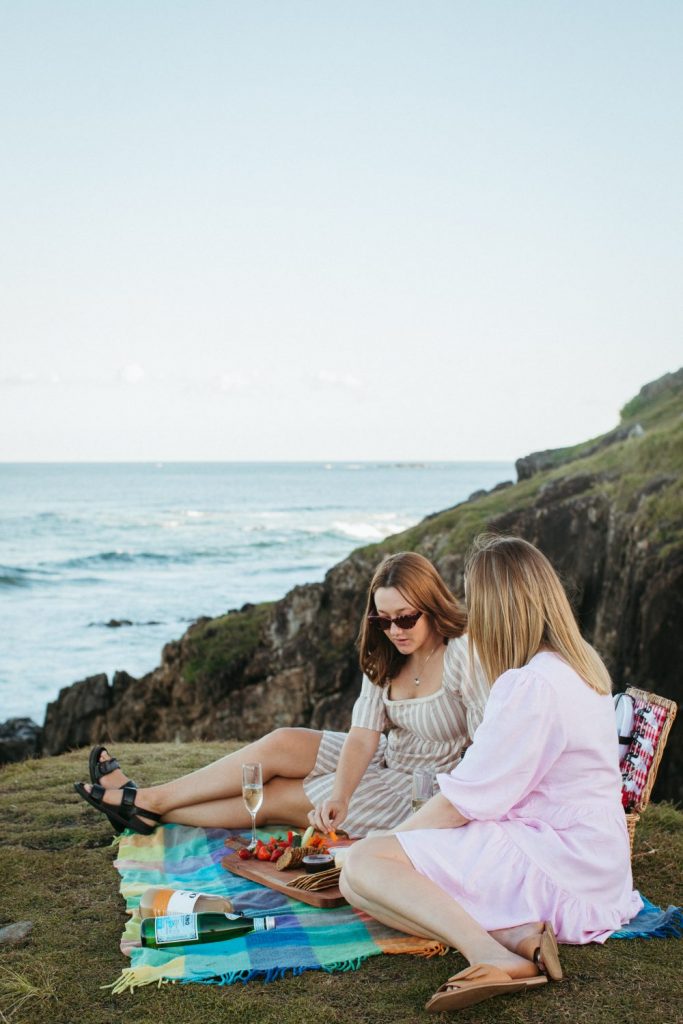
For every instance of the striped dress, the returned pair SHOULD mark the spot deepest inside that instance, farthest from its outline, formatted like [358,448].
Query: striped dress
[428,732]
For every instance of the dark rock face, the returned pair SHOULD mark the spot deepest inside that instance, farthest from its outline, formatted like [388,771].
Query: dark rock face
[19,738]
[69,720]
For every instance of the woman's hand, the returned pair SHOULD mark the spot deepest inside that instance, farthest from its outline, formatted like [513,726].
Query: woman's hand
[356,754]
[329,815]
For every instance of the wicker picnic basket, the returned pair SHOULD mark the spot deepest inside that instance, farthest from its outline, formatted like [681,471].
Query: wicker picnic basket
[643,799]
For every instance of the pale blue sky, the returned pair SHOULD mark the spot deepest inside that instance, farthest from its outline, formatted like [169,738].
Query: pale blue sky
[311,230]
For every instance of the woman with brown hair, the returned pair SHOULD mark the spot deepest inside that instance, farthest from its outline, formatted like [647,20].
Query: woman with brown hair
[527,838]
[421,700]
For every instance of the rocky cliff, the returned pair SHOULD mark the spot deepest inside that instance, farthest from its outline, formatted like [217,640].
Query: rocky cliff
[608,513]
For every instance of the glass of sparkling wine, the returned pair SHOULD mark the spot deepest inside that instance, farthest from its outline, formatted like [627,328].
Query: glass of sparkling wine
[252,794]
[422,788]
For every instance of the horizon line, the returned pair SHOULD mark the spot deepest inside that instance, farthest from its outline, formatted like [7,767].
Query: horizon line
[251,462]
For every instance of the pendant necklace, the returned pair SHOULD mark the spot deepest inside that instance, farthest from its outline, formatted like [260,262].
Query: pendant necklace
[417,677]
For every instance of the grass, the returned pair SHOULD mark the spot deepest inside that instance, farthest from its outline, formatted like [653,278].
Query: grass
[56,870]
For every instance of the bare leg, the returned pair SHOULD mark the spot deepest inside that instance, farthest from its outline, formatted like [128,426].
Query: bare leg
[379,878]
[288,754]
[284,802]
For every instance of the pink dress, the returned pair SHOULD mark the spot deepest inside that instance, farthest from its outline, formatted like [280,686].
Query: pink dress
[546,838]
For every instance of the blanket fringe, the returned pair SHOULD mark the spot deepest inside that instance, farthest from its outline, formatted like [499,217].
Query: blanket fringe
[413,946]
[346,965]
[136,977]
[433,949]
[272,974]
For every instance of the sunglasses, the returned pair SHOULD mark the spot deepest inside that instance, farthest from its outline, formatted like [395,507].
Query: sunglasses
[384,623]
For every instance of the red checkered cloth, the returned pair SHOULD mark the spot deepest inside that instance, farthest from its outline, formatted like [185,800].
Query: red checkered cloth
[648,722]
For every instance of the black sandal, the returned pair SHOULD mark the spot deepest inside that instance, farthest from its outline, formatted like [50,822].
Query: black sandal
[98,769]
[127,815]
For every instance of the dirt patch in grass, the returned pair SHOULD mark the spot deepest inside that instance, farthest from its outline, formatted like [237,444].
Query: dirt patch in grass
[56,870]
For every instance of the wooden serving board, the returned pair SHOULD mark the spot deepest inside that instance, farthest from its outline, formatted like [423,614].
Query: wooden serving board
[265,873]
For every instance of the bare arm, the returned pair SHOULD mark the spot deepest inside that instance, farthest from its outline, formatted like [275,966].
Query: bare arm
[357,753]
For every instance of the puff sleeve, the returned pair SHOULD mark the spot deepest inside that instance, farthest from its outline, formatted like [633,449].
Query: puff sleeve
[368,711]
[520,738]
[466,680]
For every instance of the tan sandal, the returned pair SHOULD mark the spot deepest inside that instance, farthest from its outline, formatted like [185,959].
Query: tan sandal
[543,951]
[477,983]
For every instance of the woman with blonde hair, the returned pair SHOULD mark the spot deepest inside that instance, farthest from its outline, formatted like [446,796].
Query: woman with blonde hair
[421,700]
[527,838]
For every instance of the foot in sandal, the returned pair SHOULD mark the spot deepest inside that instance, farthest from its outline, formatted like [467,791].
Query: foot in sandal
[106,771]
[114,794]
[477,983]
[120,807]
[543,951]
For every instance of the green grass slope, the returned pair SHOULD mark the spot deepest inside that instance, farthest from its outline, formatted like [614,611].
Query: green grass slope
[56,870]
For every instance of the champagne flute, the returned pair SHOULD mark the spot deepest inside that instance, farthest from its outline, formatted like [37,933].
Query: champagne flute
[252,794]
[423,782]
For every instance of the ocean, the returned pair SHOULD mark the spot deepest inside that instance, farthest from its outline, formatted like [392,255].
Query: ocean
[154,546]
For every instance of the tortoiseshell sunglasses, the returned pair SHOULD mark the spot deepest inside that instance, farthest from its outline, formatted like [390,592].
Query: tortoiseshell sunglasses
[384,623]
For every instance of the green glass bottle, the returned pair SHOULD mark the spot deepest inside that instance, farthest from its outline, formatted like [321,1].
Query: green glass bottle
[189,929]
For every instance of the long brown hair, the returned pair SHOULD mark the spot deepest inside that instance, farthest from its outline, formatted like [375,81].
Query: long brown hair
[517,606]
[422,587]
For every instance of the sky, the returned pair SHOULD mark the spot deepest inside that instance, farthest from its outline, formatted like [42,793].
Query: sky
[297,229]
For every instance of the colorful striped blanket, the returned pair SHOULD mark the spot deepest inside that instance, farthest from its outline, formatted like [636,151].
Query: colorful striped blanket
[304,939]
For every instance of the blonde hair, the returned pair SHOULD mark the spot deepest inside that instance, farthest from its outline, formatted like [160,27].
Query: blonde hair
[517,606]
[423,588]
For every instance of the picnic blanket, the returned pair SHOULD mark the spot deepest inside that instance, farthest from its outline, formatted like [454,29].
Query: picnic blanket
[305,938]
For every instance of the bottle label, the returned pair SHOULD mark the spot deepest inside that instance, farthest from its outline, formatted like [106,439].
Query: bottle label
[175,928]
[264,924]
[182,901]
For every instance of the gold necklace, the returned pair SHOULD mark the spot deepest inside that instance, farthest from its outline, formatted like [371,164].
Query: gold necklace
[417,677]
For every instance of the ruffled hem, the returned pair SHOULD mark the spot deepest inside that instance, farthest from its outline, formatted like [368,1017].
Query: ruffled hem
[576,920]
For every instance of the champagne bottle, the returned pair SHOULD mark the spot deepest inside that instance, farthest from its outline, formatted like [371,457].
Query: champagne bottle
[188,929]
[160,901]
